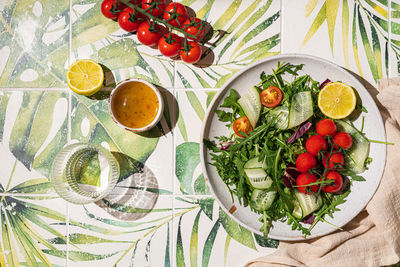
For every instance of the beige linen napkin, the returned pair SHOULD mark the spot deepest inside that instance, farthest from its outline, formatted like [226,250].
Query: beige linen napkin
[373,237]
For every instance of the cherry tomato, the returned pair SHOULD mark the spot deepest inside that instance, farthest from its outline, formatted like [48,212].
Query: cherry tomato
[192,26]
[175,14]
[193,54]
[343,140]
[130,19]
[305,162]
[146,36]
[154,7]
[305,179]
[242,125]
[169,49]
[336,161]
[316,143]
[271,97]
[337,184]
[326,127]
[111,8]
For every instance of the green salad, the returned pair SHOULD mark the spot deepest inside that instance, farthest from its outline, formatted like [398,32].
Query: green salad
[285,158]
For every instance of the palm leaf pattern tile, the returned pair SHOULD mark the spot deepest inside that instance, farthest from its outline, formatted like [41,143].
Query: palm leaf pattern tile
[356,33]
[243,32]
[33,43]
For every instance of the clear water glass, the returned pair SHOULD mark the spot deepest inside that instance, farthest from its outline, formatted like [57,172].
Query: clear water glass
[84,173]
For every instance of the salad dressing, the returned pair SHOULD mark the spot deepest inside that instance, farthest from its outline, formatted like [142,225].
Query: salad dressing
[135,105]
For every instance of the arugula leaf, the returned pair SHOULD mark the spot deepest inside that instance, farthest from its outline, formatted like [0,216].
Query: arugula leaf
[224,116]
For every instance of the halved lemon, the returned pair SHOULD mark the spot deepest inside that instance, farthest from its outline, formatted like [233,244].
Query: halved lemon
[337,100]
[85,77]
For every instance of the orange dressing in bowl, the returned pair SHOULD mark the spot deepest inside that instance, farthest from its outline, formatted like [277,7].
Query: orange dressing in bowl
[135,105]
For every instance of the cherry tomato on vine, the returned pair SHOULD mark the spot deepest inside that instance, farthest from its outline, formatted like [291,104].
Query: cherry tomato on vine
[334,161]
[192,53]
[343,140]
[175,14]
[303,180]
[305,162]
[130,19]
[194,26]
[271,97]
[154,7]
[242,125]
[149,35]
[337,182]
[111,8]
[315,143]
[170,48]
[326,127]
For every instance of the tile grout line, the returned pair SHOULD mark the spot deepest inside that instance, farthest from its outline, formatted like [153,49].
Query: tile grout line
[68,127]
[175,109]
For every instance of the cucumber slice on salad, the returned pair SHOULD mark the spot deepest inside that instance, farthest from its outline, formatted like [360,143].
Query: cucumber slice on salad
[297,212]
[258,178]
[301,108]
[358,153]
[280,115]
[308,203]
[251,105]
[262,199]
[254,164]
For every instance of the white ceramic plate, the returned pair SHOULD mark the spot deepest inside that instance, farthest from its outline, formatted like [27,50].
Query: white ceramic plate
[361,192]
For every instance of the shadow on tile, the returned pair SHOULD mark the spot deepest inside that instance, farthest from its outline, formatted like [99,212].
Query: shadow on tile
[136,192]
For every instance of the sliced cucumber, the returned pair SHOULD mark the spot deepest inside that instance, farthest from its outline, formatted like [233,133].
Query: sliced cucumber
[251,105]
[297,212]
[308,203]
[280,115]
[258,178]
[358,153]
[262,199]
[254,163]
[301,108]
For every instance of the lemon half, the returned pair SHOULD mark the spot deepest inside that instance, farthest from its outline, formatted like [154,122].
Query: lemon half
[337,100]
[85,77]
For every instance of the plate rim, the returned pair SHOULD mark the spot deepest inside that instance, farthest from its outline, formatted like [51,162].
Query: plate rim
[222,90]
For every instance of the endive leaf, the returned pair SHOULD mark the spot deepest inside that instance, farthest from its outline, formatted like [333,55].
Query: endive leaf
[332,7]
[319,19]
[194,241]
[345,32]
[367,48]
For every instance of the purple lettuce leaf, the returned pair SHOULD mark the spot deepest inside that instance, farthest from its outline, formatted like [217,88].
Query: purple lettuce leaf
[300,131]
[324,83]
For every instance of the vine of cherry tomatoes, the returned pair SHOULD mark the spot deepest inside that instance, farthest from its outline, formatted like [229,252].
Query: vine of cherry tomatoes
[154,22]
[329,154]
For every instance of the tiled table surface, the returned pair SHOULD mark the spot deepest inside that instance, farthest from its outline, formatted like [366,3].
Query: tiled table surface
[39,115]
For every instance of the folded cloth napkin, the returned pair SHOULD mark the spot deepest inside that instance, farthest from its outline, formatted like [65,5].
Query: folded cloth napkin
[373,237]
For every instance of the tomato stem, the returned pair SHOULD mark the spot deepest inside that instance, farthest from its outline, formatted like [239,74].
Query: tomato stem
[156,19]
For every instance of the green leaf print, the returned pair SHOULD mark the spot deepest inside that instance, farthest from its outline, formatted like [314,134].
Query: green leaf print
[187,158]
